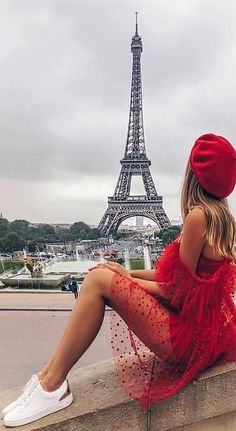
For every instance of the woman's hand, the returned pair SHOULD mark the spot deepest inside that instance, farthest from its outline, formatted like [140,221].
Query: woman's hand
[115,267]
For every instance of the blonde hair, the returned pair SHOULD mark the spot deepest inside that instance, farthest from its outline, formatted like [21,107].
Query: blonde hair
[220,229]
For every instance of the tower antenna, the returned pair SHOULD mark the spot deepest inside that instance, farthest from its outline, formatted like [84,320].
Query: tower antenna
[136,25]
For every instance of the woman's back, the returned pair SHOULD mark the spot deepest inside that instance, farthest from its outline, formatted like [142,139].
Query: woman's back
[208,266]
[209,252]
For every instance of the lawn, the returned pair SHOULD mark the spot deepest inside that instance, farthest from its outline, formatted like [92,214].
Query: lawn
[7,265]
[136,264]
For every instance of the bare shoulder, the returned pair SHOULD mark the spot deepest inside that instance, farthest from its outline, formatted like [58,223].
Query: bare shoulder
[196,219]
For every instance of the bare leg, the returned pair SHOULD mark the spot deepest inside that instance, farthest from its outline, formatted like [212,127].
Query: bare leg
[83,326]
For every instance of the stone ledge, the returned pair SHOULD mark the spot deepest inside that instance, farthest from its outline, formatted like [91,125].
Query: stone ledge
[31,291]
[225,422]
[212,394]
[100,404]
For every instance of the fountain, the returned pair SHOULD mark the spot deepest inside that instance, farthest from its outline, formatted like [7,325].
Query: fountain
[147,260]
[77,254]
[54,271]
[126,259]
[40,259]
[34,274]
[35,267]
[102,260]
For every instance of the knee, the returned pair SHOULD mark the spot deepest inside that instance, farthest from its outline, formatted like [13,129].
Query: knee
[92,280]
[95,274]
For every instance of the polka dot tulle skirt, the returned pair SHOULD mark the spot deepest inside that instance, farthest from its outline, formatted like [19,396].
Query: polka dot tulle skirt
[160,346]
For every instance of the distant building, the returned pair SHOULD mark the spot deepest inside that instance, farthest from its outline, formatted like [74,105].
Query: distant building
[176,222]
[139,221]
[62,225]
[124,228]
[34,224]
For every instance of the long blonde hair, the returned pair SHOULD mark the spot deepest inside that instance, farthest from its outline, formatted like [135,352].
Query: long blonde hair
[220,229]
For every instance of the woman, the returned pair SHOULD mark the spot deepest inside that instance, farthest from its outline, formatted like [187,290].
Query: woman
[171,322]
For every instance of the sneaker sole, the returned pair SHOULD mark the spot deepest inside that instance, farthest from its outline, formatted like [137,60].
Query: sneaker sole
[48,411]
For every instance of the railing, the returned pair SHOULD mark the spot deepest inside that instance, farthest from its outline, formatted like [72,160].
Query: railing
[136,198]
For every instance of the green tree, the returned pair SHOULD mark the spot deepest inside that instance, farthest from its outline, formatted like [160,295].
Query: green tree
[2,244]
[42,233]
[65,235]
[79,226]
[4,227]
[32,246]
[94,234]
[20,226]
[168,234]
[13,242]
[160,233]
[46,229]
[83,234]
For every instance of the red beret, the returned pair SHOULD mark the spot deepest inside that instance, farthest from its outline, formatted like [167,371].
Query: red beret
[213,162]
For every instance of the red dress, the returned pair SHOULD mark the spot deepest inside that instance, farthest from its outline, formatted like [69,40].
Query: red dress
[160,346]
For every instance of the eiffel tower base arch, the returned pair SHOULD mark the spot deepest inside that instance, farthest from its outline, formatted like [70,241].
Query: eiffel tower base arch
[116,213]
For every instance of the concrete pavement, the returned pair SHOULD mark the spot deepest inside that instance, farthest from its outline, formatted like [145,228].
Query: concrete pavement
[30,300]
[27,338]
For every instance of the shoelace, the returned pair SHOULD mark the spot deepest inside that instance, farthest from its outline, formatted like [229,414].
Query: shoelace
[28,383]
[27,390]
[31,383]
[28,396]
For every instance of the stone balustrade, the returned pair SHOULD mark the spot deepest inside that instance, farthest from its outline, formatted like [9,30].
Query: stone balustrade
[208,404]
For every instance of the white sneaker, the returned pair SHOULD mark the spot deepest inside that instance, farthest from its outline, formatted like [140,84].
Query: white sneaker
[27,388]
[39,403]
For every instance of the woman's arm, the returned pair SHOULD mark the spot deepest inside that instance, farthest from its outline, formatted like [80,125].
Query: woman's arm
[143,274]
[193,238]
[192,242]
[151,287]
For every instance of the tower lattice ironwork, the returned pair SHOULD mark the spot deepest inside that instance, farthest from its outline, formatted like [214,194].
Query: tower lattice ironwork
[122,205]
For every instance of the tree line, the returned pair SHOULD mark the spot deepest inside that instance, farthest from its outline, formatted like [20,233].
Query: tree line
[19,234]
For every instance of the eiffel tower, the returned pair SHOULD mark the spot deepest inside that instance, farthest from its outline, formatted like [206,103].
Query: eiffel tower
[122,205]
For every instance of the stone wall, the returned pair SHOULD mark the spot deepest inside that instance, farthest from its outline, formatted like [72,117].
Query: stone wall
[208,404]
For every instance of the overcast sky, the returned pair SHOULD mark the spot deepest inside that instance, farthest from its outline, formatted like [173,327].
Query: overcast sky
[65,72]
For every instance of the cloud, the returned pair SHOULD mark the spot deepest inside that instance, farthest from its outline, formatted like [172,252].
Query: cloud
[65,72]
